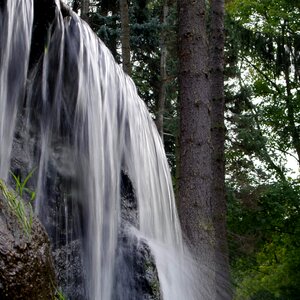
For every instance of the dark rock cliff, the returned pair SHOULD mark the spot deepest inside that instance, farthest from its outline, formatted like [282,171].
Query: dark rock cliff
[26,270]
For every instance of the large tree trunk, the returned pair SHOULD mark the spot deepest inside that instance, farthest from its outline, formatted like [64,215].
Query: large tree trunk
[195,173]
[201,190]
[125,36]
[216,46]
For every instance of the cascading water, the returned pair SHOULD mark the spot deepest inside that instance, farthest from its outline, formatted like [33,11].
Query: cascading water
[77,120]
[14,58]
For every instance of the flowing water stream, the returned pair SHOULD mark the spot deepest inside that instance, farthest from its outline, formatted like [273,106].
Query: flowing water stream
[76,119]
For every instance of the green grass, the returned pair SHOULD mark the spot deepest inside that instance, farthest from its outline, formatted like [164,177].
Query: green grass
[21,185]
[22,211]
[59,295]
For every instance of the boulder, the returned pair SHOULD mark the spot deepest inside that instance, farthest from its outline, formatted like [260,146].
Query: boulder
[26,268]
[138,278]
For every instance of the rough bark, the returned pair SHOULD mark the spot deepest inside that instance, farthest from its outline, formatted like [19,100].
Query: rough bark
[195,173]
[216,46]
[26,269]
[125,36]
[201,190]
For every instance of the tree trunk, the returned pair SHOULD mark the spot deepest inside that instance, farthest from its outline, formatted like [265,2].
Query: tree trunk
[125,36]
[293,128]
[163,72]
[195,172]
[201,190]
[216,46]
[85,6]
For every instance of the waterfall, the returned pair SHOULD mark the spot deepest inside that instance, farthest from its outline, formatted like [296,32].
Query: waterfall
[14,58]
[76,119]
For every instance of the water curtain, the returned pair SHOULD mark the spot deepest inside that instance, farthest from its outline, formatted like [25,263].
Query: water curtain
[74,117]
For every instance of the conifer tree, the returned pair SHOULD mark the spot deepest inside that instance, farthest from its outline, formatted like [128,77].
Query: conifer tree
[201,192]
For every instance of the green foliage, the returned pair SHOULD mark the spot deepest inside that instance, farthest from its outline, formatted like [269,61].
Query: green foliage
[264,241]
[22,211]
[266,38]
[106,24]
[262,120]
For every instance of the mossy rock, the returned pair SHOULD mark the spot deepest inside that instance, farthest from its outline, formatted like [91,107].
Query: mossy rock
[26,268]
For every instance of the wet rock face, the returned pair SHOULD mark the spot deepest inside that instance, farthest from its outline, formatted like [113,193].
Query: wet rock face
[136,276]
[69,270]
[26,269]
[129,209]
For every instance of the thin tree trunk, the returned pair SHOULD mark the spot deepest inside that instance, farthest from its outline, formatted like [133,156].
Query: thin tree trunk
[125,36]
[291,114]
[195,172]
[163,72]
[289,97]
[85,6]
[216,46]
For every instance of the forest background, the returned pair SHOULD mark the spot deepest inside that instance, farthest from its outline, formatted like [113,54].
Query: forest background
[261,116]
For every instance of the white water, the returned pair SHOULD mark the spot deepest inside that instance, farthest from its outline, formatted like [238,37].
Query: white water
[89,123]
[14,57]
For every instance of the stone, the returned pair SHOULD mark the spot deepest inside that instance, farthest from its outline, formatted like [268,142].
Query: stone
[26,267]
[138,279]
